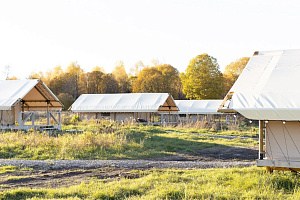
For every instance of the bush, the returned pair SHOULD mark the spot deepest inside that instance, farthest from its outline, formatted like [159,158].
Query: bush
[75,119]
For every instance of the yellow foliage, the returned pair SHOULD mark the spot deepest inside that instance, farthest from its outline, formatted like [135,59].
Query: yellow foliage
[233,71]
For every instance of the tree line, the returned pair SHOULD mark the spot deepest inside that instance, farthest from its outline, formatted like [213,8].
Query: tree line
[202,79]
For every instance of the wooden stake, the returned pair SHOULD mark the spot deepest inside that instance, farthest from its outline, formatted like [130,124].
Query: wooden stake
[261,139]
[269,170]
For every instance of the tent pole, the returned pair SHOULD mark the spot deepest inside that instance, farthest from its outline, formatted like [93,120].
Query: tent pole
[261,139]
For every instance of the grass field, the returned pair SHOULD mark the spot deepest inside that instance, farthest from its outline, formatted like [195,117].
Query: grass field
[110,141]
[232,183]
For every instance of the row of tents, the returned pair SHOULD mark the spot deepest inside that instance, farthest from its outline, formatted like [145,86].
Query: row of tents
[143,107]
[22,101]
[267,90]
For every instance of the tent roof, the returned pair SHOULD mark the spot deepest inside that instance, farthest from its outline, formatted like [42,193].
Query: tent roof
[125,102]
[198,106]
[268,88]
[34,93]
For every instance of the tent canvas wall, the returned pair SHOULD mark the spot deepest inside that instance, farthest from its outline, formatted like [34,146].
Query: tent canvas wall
[123,107]
[21,99]
[267,90]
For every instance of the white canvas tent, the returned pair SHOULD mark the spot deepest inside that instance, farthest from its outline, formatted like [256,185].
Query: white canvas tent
[203,107]
[21,99]
[195,110]
[267,90]
[125,106]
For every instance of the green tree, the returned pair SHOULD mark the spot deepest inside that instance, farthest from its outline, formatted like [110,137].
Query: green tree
[203,78]
[233,71]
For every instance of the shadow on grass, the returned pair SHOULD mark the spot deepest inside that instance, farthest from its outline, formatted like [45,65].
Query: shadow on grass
[196,149]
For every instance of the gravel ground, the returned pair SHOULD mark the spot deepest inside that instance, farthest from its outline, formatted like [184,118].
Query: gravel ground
[92,164]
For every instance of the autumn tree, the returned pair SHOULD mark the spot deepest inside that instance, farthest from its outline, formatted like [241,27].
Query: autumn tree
[121,77]
[109,84]
[57,84]
[12,78]
[38,75]
[94,81]
[57,71]
[163,78]
[171,81]
[130,81]
[149,80]
[72,81]
[203,78]
[75,80]
[99,69]
[233,71]
[66,99]
[154,62]
[135,70]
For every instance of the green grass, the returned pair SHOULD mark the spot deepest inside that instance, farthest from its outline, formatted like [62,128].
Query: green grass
[9,169]
[251,132]
[232,183]
[109,142]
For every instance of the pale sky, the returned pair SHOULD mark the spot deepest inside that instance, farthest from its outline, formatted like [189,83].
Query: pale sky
[37,35]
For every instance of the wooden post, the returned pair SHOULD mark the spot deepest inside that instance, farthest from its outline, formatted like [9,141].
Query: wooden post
[261,139]
[59,120]
[22,107]
[32,119]
[8,118]
[20,120]
[48,114]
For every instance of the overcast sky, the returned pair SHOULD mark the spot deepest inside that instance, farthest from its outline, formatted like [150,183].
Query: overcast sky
[37,35]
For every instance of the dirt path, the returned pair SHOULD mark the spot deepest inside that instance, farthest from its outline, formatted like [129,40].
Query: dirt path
[61,178]
[56,176]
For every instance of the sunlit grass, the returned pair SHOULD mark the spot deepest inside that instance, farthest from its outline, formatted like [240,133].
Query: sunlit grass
[232,183]
[9,169]
[109,142]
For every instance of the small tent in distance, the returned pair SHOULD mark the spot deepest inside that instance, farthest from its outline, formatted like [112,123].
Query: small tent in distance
[124,107]
[195,110]
[268,91]
[21,100]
